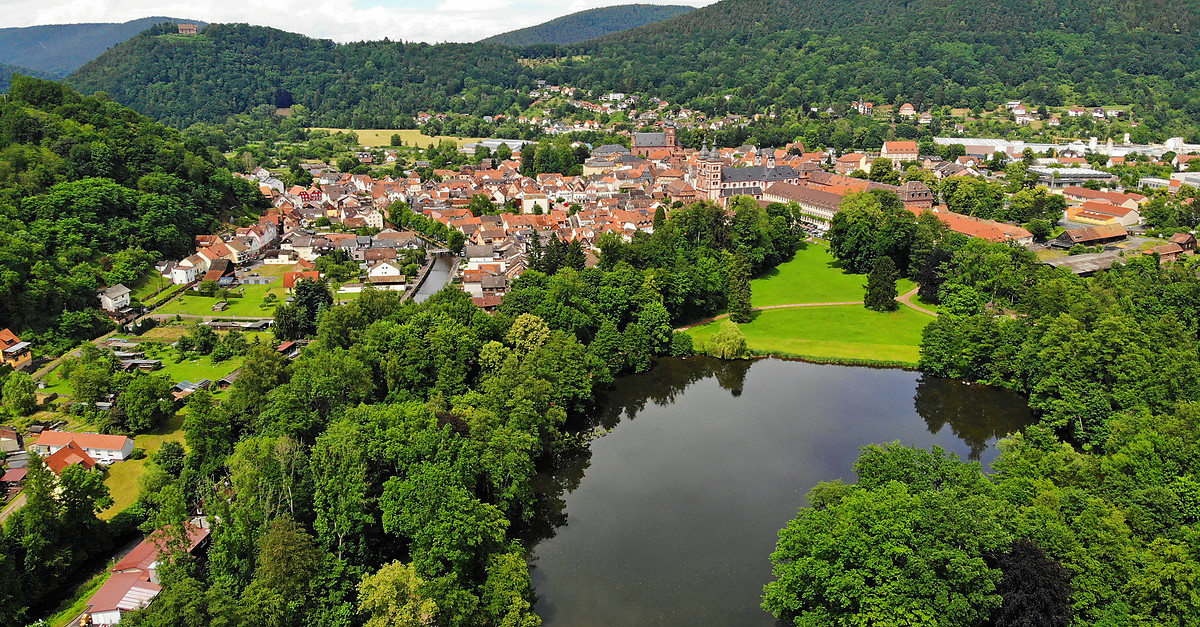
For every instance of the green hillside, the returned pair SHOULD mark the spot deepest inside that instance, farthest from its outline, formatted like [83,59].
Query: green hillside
[56,50]
[6,72]
[738,56]
[92,194]
[232,68]
[590,24]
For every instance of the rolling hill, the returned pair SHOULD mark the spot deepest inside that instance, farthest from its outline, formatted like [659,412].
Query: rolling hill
[590,24]
[58,49]
[736,56]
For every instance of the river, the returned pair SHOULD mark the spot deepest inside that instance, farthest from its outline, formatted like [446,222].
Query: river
[670,517]
[439,275]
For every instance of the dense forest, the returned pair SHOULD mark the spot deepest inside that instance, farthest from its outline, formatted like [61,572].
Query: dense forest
[589,24]
[781,55]
[8,71]
[232,68]
[91,194]
[1090,516]
[56,50]
[385,476]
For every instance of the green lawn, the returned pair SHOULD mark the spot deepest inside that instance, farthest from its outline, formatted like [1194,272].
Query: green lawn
[250,305]
[813,276]
[122,480]
[846,332]
[921,302]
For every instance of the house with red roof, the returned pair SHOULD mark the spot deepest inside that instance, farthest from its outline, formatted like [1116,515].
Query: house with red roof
[70,455]
[103,448]
[291,278]
[899,151]
[134,581]
[17,354]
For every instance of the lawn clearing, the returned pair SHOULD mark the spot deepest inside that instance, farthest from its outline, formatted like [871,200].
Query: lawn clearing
[812,276]
[375,137]
[122,480]
[837,332]
[250,305]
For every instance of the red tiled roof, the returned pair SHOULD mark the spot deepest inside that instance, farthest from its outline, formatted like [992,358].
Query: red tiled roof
[85,440]
[291,278]
[69,455]
[8,338]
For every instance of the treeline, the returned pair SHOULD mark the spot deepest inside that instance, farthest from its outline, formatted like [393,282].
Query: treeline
[765,53]
[91,194]
[741,56]
[1054,537]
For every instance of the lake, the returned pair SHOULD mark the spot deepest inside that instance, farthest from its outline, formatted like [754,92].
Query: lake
[670,517]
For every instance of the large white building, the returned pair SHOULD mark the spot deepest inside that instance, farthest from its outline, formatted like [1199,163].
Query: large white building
[105,449]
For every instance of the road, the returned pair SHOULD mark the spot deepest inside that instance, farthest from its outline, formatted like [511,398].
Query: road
[12,507]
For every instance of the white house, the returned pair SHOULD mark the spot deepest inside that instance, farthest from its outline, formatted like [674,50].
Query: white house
[182,275]
[385,272]
[105,449]
[114,298]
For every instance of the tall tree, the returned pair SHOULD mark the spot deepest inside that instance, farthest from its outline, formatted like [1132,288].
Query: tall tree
[739,289]
[881,286]
[391,597]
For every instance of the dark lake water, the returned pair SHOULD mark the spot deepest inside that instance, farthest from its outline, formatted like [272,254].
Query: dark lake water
[669,518]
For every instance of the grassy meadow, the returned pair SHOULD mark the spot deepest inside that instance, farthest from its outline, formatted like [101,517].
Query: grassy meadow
[813,276]
[374,138]
[831,332]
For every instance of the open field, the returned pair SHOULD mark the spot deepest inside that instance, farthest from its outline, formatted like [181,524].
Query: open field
[813,276]
[373,138]
[122,480]
[835,332]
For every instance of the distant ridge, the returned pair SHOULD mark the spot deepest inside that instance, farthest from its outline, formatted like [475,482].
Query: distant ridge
[6,71]
[589,24]
[56,50]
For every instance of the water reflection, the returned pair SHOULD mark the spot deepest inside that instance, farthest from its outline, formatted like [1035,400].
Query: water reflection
[703,461]
[977,414]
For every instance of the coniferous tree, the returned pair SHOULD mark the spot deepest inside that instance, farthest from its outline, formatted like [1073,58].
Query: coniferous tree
[575,257]
[881,286]
[739,289]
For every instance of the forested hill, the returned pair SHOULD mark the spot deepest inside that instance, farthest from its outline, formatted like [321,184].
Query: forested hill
[92,194]
[928,52]
[56,50]
[760,53]
[7,71]
[232,68]
[590,24]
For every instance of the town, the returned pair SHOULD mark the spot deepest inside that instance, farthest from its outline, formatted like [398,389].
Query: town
[485,223]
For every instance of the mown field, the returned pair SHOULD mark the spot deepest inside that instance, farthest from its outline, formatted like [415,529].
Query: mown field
[813,276]
[373,138]
[849,333]
[831,332]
